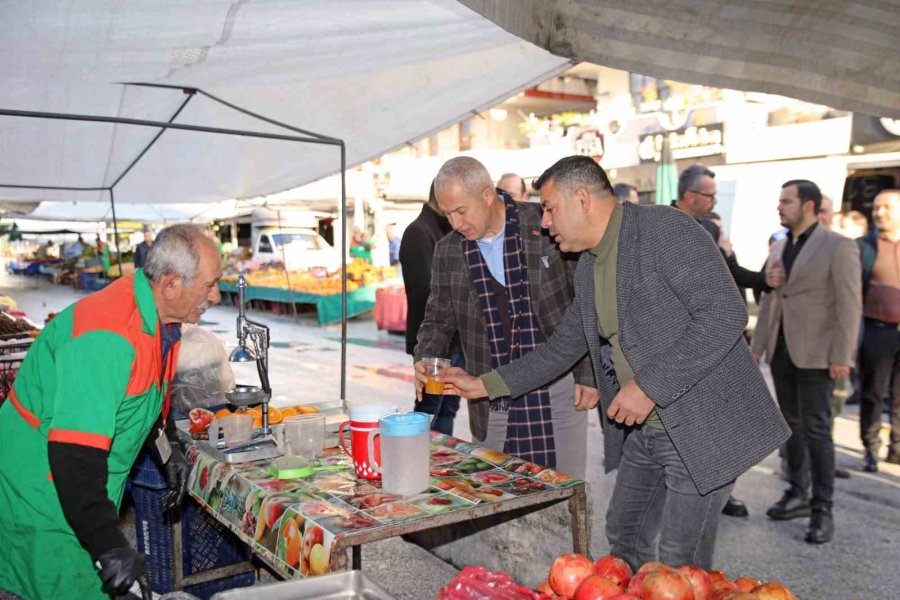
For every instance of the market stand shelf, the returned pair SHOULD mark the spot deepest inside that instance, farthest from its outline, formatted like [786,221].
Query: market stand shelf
[328,307]
[309,526]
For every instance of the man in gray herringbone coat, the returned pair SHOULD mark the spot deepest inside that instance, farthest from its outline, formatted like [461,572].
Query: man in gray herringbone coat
[687,410]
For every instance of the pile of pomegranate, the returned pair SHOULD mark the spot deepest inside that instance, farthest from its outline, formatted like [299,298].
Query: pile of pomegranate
[574,576]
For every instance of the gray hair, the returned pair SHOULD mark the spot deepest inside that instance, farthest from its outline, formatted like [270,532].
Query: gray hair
[472,174]
[689,180]
[175,251]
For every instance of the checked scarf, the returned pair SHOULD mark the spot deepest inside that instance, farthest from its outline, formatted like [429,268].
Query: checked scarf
[529,432]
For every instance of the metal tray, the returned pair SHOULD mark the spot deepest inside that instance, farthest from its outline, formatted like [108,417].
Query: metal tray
[337,586]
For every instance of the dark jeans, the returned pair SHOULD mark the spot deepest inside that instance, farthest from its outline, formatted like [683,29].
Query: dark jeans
[444,408]
[805,399]
[880,365]
[655,496]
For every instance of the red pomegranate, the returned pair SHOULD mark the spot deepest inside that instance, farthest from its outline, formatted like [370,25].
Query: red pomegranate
[715,576]
[746,584]
[721,588]
[568,571]
[700,581]
[613,568]
[666,584]
[636,582]
[653,566]
[544,588]
[596,587]
[774,590]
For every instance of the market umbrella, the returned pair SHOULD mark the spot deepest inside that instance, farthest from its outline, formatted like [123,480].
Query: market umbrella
[666,175]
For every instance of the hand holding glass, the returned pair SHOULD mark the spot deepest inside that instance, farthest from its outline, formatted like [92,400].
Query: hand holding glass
[434,366]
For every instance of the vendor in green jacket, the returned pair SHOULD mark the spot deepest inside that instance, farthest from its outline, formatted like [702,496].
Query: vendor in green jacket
[92,389]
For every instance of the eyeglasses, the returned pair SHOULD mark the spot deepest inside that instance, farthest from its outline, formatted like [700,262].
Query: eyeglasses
[710,196]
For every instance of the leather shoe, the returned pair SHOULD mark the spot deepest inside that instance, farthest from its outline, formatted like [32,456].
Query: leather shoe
[841,473]
[821,527]
[792,505]
[870,463]
[735,508]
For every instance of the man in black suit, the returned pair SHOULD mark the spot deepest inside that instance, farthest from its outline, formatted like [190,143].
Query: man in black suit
[416,254]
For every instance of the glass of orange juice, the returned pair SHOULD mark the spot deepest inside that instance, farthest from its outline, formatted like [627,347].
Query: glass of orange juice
[433,366]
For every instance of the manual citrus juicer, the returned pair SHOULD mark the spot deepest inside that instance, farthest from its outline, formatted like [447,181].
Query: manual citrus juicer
[263,444]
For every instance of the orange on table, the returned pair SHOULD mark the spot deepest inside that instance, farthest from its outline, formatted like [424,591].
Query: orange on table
[290,411]
[307,409]
[223,412]
[275,415]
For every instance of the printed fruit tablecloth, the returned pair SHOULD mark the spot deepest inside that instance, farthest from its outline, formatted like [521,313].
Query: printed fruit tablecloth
[295,523]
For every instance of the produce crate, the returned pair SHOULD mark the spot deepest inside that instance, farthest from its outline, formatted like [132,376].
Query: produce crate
[86,280]
[97,284]
[206,543]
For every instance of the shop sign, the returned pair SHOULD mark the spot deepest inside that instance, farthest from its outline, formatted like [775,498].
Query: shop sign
[688,142]
[589,142]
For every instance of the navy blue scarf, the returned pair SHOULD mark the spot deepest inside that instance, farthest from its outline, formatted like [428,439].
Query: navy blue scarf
[529,432]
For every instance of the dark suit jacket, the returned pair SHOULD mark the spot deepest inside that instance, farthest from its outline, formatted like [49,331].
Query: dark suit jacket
[454,305]
[416,255]
[681,329]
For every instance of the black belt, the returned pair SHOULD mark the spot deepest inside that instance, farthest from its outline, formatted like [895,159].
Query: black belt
[880,323]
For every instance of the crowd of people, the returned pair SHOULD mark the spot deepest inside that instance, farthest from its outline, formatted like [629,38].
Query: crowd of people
[594,300]
[547,310]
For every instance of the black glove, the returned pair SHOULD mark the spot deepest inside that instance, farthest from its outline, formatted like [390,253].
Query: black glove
[146,590]
[119,568]
[177,471]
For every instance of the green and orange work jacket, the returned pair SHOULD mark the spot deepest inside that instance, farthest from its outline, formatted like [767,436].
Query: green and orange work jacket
[94,377]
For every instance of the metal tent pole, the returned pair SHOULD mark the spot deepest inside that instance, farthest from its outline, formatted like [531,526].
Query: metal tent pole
[112,203]
[343,278]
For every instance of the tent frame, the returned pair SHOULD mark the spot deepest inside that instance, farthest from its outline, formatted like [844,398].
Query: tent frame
[308,137]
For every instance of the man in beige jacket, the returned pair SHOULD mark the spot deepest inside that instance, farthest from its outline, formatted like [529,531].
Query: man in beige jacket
[808,329]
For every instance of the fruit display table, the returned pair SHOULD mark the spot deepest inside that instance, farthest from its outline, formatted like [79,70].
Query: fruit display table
[310,526]
[328,307]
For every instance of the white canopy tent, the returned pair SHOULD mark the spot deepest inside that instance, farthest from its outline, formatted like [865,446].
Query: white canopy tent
[375,74]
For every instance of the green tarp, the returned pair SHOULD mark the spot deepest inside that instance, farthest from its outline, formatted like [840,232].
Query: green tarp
[328,308]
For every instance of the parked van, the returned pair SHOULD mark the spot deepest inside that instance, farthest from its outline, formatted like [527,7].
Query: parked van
[298,247]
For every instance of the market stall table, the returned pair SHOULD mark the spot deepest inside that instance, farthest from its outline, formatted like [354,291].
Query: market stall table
[328,307]
[308,526]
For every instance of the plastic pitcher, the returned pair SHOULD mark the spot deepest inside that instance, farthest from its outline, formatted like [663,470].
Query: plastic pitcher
[404,452]
[234,429]
[364,418]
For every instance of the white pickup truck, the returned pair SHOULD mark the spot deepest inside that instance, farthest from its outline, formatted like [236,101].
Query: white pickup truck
[299,248]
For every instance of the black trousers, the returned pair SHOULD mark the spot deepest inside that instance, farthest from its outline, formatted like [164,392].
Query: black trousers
[880,365]
[804,396]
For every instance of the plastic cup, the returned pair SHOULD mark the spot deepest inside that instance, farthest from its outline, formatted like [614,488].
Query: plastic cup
[234,430]
[433,366]
[304,435]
